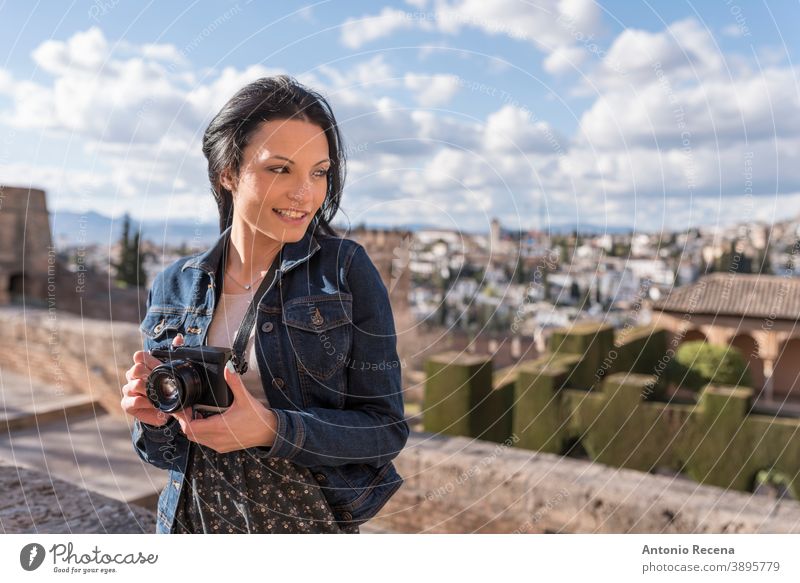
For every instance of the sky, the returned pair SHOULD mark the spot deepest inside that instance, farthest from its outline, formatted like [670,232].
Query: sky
[648,115]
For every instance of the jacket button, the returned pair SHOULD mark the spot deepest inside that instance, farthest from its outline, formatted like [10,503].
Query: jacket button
[347,516]
[320,477]
[278,383]
[266,327]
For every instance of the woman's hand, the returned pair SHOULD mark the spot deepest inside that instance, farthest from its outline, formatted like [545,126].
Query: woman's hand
[246,423]
[134,400]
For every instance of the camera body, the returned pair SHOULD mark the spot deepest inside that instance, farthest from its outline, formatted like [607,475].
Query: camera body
[190,376]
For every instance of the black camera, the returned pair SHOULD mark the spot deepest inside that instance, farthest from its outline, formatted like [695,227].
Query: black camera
[190,376]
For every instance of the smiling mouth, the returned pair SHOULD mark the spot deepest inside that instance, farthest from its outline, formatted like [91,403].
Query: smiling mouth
[291,214]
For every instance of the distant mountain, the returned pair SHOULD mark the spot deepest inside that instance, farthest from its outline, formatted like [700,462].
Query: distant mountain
[588,229]
[69,228]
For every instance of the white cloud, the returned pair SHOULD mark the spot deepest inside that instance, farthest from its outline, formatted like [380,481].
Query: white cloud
[732,30]
[357,32]
[564,59]
[373,74]
[6,82]
[548,25]
[208,99]
[164,52]
[684,51]
[84,51]
[706,110]
[432,90]
[511,129]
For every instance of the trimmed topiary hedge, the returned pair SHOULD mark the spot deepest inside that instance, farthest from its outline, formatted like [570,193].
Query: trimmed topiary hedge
[698,363]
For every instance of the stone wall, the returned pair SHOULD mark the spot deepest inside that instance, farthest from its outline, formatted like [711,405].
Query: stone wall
[456,485]
[33,502]
[461,485]
[25,243]
[70,354]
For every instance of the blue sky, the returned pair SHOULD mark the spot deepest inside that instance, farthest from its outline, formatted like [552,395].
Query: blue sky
[651,115]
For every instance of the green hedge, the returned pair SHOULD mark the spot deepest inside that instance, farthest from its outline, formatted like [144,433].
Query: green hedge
[551,403]
[698,363]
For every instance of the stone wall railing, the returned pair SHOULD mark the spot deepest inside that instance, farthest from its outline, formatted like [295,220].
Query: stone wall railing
[462,485]
[34,502]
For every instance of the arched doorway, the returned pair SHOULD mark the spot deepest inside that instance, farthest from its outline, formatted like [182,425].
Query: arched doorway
[786,374]
[16,288]
[692,335]
[748,346]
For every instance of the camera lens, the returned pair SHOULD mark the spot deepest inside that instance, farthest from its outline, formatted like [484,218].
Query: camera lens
[173,386]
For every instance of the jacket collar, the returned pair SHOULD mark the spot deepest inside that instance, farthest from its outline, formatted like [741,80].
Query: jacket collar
[291,254]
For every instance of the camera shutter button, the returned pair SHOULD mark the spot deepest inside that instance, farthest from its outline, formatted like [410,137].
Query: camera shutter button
[266,327]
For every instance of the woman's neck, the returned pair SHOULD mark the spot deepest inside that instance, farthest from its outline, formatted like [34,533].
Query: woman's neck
[249,252]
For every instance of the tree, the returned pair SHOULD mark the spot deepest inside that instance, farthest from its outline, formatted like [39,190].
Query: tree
[764,265]
[520,275]
[734,262]
[130,269]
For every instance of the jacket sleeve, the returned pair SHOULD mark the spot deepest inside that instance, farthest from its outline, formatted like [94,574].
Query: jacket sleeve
[371,428]
[158,446]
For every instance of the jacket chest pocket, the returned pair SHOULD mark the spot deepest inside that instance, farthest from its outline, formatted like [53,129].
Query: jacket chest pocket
[160,327]
[320,332]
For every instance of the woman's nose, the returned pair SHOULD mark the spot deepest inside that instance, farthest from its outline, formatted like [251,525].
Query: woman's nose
[302,191]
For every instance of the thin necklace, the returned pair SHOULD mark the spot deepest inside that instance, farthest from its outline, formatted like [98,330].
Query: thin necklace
[249,285]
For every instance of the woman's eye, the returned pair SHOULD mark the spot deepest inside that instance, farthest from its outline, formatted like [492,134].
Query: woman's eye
[276,170]
[322,173]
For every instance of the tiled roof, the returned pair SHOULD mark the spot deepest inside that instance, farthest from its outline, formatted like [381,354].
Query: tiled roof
[737,294]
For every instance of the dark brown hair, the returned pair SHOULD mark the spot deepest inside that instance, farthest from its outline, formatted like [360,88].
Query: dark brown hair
[279,97]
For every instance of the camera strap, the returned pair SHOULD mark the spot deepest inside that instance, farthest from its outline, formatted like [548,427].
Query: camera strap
[238,357]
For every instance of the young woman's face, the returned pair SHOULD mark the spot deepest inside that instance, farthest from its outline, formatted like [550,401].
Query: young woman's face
[283,178]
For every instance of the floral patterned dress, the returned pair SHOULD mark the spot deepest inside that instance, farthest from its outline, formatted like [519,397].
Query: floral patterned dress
[237,492]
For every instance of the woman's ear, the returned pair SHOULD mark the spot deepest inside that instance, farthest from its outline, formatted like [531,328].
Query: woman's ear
[226,180]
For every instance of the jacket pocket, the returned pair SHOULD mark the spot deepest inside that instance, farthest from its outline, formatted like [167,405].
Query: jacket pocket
[161,325]
[320,332]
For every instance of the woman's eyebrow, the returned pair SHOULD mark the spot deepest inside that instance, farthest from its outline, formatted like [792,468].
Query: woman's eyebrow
[292,161]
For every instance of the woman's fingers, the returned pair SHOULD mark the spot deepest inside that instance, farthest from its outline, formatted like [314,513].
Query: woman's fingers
[184,417]
[145,358]
[142,409]
[135,387]
[136,402]
[138,371]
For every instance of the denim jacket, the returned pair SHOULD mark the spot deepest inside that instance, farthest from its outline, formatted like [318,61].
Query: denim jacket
[326,351]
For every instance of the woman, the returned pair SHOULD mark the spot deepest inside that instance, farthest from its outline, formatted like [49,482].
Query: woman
[317,416]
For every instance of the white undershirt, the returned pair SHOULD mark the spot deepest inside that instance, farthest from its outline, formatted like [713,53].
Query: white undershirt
[222,332]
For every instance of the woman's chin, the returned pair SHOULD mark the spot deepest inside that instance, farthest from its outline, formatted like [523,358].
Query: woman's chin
[285,234]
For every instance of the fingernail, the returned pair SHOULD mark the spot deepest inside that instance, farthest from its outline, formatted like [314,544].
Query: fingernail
[230,367]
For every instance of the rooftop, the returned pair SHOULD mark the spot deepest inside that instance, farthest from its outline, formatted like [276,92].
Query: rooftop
[737,294]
